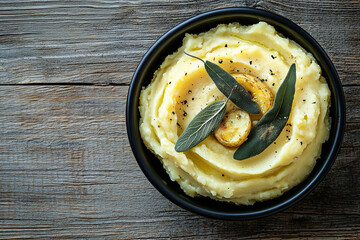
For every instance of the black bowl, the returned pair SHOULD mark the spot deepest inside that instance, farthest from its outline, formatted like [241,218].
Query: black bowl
[169,43]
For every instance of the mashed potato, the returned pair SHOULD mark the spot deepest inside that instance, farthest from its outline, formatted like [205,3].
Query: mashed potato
[181,88]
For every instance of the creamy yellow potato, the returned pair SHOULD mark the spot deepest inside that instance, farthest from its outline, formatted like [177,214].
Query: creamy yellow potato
[181,88]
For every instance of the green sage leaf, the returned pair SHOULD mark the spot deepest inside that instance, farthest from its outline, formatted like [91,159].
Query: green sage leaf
[203,124]
[225,83]
[272,123]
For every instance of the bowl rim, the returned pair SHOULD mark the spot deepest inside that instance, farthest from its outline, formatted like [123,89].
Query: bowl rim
[328,162]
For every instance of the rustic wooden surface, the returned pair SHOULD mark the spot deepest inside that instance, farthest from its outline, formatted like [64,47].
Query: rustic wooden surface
[66,168]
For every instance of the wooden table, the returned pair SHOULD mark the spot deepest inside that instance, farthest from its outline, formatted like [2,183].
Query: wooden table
[66,168]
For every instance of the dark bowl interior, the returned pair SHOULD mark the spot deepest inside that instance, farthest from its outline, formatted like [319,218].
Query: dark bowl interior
[169,43]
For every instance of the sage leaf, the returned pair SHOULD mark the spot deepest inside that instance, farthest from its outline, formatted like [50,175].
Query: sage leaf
[225,83]
[272,123]
[203,124]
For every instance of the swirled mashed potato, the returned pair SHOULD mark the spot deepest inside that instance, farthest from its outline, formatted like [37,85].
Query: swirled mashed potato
[181,88]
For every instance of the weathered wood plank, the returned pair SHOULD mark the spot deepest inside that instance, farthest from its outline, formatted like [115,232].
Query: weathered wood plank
[193,227]
[67,171]
[102,41]
[352,97]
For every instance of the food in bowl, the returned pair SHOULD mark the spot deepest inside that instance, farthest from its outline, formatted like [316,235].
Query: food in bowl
[181,88]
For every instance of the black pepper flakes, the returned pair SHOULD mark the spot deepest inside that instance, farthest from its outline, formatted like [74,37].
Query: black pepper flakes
[222,175]
[225,45]
[185,114]
[231,61]
[178,125]
[173,113]
[169,82]
[250,62]
[193,99]
[185,73]
[158,126]
[273,57]
[189,91]
[300,143]
[220,61]
[273,84]
[313,102]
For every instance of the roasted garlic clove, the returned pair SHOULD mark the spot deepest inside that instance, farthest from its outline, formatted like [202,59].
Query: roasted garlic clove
[259,91]
[234,128]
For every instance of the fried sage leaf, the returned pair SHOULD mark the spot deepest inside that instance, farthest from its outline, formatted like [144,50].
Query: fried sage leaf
[272,123]
[203,124]
[225,82]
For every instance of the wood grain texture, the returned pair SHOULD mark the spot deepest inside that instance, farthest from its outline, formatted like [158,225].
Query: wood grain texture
[102,41]
[66,167]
